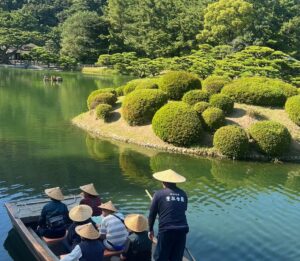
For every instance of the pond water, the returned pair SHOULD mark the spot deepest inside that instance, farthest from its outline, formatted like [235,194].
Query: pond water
[237,210]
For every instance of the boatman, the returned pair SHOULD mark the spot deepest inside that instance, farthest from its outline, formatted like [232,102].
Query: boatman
[170,204]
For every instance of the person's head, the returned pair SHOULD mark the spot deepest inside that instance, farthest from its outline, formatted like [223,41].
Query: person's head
[136,223]
[107,208]
[89,190]
[169,185]
[54,193]
[169,178]
[87,231]
[80,213]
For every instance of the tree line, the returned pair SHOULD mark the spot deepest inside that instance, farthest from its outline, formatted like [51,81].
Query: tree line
[78,31]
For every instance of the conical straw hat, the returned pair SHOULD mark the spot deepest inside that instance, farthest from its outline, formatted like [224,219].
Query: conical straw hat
[90,189]
[54,193]
[136,222]
[87,231]
[80,213]
[109,206]
[169,176]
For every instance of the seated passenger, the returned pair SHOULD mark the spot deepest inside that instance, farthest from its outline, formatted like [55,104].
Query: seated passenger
[113,231]
[92,199]
[140,245]
[80,215]
[90,248]
[54,217]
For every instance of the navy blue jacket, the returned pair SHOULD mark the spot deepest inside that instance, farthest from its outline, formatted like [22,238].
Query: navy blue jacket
[170,204]
[92,250]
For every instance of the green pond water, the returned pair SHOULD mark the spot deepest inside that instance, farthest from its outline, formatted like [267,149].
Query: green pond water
[237,210]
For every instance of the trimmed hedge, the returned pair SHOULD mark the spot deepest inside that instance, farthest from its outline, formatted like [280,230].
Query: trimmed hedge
[231,141]
[120,91]
[131,85]
[177,123]
[223,102]
[292,108]
[194,96]
[272,138]
[176,83]
[103,110]
[213,118]
[200,107]
[147,84]
[139,107]
[214,84]
[103,97]
[259,91]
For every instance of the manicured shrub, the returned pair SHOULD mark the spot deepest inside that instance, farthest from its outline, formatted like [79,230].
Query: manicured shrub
[105,97]
[200,107]
[213,118]
[272,138]
[102,111]
[214,84]
[231,141]
[120,91]
[292,108]
[139,106]
[177,123]
[223,102]
[131,85]
[259,91]
[298,90]
[176,83]
[147,83]
[194,96]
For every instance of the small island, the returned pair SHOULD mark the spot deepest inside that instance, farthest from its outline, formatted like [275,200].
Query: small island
[249,118]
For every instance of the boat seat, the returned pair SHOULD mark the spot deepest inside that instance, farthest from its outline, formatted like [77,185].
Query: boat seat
[51,241]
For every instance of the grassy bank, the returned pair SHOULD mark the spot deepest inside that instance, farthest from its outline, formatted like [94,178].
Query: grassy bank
[99,71]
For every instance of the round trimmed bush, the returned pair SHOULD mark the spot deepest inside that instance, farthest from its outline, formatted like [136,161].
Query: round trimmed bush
[213,118]
[272,138]
[200,107]
[194,96]
[139,106]
[231,141]
[105,97]
[176,83]
[214,84]
[120,91]
[131,85]
[223,102]
[259,91]
[147,83]
[292,108]
[177,123]
[298,90]
[102,111]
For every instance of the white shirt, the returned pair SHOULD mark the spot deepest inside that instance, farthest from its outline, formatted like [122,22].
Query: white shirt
[74,255]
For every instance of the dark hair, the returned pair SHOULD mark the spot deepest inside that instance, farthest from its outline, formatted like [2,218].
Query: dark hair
[169,185]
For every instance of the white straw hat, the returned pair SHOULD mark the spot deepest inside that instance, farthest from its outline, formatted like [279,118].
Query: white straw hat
[87,231]
[54,193]
[90,189]
[80,213]
[136,222]
[169,176]
[108,206]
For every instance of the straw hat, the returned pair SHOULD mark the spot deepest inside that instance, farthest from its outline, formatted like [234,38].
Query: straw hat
[87,231]
[136,222]
[108,206]
[54,193]
[90,189]
[169,176]
[80,213]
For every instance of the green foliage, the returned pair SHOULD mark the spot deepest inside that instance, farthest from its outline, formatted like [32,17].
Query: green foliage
[120,91]
[176,83]
[43,55]
[131,85]
[231,141]
[259,91]
[139,106]
[226,20]
[222,102]
[213,118]
[148,83]
[177,123]
[194,96]
[292,108]
[100,97]
[214,84]
[102,111]
[271,138]
[200,107]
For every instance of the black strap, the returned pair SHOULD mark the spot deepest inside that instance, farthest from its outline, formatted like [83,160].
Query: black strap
[121,219]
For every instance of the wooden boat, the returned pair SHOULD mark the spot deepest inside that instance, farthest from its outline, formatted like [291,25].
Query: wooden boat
[24,216]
